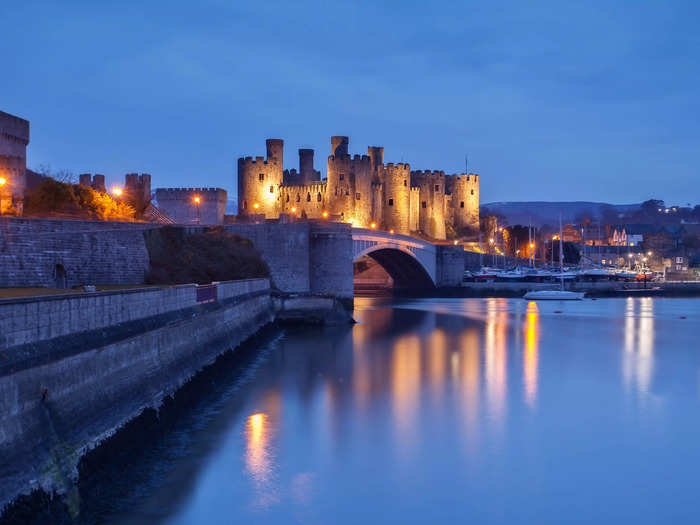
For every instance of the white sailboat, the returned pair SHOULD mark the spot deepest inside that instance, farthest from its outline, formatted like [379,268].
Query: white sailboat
[556,295]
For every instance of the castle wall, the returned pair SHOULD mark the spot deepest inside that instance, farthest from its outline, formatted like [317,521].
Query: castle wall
[359,189]
[137,188]
[259,182]
[308,201]
[414,209]
[179,204]
[464,202]
[431,219]
[396,198]
[14,138]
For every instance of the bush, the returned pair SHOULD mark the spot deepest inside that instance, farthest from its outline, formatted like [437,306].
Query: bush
[213,255]
[55,198]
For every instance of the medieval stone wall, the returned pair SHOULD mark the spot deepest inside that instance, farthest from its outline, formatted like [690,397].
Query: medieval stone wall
[180,204]
[360,190]
[14,138]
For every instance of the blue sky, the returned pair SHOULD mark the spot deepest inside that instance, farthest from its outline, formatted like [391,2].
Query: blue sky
[551,100]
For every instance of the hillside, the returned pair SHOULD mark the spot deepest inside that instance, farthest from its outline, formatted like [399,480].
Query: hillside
[540,212]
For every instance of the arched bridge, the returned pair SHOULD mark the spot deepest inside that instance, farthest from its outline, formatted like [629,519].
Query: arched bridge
[317,256]
[410,261]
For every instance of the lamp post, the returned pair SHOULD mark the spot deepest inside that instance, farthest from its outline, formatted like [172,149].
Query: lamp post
[197,200]
[493,260]
[3,181]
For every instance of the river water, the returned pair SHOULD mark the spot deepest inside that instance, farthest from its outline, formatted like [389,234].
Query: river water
[442,411]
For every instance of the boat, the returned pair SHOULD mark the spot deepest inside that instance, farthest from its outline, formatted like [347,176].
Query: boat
[556,295]
[553,295]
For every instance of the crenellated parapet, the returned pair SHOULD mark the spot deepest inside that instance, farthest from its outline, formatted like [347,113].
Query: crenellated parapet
[259,180]
[360,189]
[193,205]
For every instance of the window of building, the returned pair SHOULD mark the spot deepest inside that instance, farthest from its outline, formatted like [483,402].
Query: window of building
[308,197]
[245,204]
[261,177]
[472,192]
[342,177]
[437,187]
[272,189]
[357,196]
[298,197]
[405,182]
[461,204]
[391,202]
[423,204]
[318,197]
[287,197]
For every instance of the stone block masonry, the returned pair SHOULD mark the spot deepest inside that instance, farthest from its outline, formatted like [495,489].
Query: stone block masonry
[66,387]
[63,253]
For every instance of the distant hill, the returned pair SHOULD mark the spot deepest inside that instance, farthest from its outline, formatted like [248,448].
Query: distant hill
[539,212]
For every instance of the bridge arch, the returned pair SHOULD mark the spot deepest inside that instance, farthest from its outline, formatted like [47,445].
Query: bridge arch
[400,263]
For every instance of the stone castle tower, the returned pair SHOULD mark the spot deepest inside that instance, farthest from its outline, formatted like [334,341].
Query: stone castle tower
[358,189]
[14,138]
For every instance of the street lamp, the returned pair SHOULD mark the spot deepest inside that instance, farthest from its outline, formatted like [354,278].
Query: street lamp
[3,181]
[197,200]
[118,192]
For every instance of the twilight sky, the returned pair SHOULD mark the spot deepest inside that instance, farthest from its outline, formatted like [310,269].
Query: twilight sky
[551,100]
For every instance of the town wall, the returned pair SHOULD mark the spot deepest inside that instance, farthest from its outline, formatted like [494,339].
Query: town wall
[304,201]
[180,205]
[14,138]
[66,253]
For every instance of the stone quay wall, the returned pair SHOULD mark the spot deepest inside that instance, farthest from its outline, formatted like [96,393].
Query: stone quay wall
[66,253]
[66,387]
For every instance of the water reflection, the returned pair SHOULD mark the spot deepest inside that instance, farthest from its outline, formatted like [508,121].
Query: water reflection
[496,357]
[530,353]
[638,360]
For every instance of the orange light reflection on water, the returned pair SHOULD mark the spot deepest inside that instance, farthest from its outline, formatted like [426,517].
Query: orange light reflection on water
[530,352]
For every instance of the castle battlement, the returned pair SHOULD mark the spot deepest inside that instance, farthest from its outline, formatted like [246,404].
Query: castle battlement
[360,189]
[186,193]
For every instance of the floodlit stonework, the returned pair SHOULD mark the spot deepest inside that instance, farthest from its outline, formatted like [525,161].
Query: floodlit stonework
[359,189]
[14,137]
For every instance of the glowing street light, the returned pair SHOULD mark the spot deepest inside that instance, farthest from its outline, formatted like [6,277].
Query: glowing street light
[3,181]
[294,209]
[490,241]
[373,225]
[197,200]
[256,205]
[391,232]
[325,214]
[117,192]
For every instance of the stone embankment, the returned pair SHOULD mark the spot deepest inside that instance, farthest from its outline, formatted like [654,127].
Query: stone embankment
[76,368]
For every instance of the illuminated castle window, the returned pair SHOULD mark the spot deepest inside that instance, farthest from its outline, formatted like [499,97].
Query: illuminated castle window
[357,196]
[308,197]
[272,189]
[405,182]
[318,197]
[298,197]
[391,202]
[461,204]
[423,204]
[437,187]
[288,197]
[342,177]
[261,177]
[472,192]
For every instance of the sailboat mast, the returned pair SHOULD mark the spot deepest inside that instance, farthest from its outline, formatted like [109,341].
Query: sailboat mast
[561,254]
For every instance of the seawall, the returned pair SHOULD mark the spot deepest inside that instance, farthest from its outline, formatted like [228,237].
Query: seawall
[75,369]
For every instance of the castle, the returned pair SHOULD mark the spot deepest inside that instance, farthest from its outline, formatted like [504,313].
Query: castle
[360,190]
